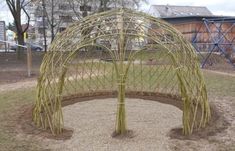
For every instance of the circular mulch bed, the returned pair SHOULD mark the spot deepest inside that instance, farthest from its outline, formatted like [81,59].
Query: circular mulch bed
[94,121]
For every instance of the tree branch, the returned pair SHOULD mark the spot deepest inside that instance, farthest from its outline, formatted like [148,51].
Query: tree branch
[72,5]
[28,19]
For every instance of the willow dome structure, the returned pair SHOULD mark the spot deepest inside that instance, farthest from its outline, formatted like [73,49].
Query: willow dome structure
[121,53]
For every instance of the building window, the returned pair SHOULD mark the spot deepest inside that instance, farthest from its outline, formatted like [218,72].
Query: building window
[40,30]
[66,18]
[62,29]
[64,7]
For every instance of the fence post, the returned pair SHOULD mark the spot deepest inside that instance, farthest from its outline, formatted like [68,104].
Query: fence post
[29,60]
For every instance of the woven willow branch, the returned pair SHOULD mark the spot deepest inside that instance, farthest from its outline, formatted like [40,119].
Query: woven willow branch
[124,51]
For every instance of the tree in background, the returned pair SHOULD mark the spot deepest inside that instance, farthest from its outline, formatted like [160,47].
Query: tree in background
[101,5]
[49,11]
[44,24]
[49,8]
[11,26]
[82,7]
[54,11]
[17,8]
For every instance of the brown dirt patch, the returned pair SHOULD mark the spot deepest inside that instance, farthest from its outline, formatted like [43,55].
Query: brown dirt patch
[127,134]
[219,135]
[26,126]
[13,70]
[217,124]
[15,76]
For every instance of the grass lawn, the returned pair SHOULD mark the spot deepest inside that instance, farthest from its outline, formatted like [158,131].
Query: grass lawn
[220,85]
[12,102]
[10,108]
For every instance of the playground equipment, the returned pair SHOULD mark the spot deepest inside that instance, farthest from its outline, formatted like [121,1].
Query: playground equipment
[120,53]
[218,40]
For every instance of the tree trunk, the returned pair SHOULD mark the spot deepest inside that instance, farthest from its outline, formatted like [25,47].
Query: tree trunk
[44,25]
[20,50]
[52,21]
[52,33]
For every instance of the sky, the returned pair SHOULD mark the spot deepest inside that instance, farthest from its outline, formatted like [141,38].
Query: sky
[217,7]
[5,14]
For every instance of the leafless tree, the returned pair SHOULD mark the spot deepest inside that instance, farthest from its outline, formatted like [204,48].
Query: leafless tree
[50,13]
[17,7]
[52,9]
[101,5]
[48,10]
[44,24]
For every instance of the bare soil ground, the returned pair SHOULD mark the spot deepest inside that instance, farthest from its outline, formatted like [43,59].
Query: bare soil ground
[227,68]
[218,63]
[14,70]
[218,136]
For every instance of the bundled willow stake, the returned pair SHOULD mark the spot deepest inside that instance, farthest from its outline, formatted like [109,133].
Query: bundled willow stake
[121,51]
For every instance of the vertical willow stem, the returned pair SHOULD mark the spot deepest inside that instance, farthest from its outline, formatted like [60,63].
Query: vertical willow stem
[121,115]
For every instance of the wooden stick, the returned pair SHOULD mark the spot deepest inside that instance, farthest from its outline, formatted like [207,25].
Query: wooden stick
[29,60]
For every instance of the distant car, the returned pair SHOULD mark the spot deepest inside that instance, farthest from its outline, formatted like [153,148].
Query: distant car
[34,47]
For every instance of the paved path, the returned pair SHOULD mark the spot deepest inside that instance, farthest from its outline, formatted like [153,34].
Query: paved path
[18,85]
[221,73]
[29,84]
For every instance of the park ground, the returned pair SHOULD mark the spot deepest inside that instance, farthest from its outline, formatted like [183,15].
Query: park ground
[18,92]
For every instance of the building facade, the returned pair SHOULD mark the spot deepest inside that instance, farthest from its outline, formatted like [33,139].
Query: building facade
[58,16]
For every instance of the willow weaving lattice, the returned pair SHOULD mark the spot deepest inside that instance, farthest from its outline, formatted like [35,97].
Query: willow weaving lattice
[120,51]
